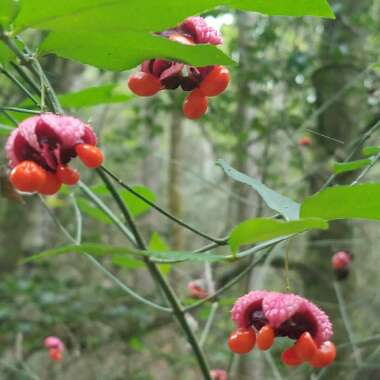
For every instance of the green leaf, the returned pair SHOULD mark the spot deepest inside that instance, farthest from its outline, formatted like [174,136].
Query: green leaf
[344,202]
[342,167]
[119,252]
[136,344]
[127,262]
[148,15]
[93,212]
[8,11]
[5,130]
[117,34]
[319,8]
[262,229]
[135,205]
[285,206]
[157,243]
[94,96]
[124,50]
[371,150]
[5,54]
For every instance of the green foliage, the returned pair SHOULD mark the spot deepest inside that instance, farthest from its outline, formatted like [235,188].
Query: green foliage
[135,205]
[5,130]
[344,202]
[148,16]
[277,202]
[119,252]
[94,96]
[93,212]
[117,35]
[158,244]
[124,50]
[286,7]
[371,150]
[343,167]
[8,11]
[256,230]
[5,54]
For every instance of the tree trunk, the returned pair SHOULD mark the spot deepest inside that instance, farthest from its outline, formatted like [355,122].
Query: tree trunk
[342,57]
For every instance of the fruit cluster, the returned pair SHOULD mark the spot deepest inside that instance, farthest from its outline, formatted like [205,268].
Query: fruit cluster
[196,291]
[262,316]
[40,149]
[202,82]
[218,374]
[304,141]
[55,348]
[341,264]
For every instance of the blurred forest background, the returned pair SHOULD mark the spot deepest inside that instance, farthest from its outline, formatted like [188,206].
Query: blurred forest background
[296,77]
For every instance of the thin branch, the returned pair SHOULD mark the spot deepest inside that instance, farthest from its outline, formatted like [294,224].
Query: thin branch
[347,324]
[165,286]
[99,203]
[99,266]
[20,85]
[366,170]
[9,117]
[161,210]
[19,110]
[229,284]
[210,320]
[354,150]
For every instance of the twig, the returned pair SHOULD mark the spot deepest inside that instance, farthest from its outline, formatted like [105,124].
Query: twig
[161,210]
[177,309]
[210,320]
[228,285]
[19,84]
[366,170]
[99,266]
[20,110]
[347,324]
[354,150]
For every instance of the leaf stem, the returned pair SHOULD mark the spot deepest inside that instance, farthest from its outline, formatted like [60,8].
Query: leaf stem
[354,150]
[210,320]
[228,285]
[347,324]
[20,110]
[95,262]
[366,170]
[161,210]
[19,84]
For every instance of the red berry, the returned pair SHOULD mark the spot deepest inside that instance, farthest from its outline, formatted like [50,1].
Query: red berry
[28,176]
[51,185]
[144,84]
[55,354]
[90,155]
[242,340]
[265,338]
[290,357]
[340,260]
[304,141]
[67,175]
[196,291]
[216,81]
[324,356]
[305,347]
[195,104]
